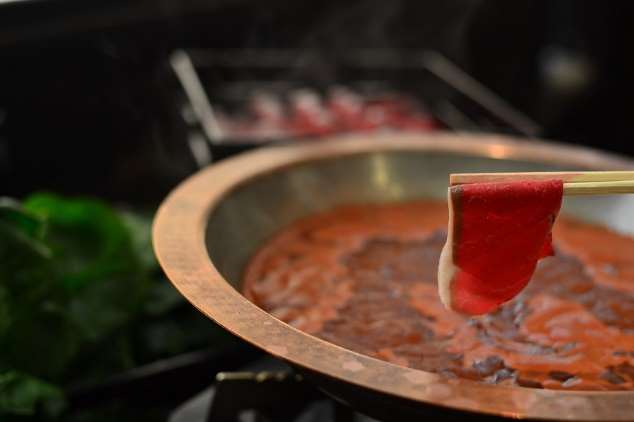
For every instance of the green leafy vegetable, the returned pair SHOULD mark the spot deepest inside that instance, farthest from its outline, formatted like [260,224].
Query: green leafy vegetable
[12,213]
[89,240]
[25,395]
[81,299]
[72,277]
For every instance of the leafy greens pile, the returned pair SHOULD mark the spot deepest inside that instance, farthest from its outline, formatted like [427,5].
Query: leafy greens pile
[74,276]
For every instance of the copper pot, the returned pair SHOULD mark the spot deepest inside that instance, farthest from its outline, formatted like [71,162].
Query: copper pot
[208,227]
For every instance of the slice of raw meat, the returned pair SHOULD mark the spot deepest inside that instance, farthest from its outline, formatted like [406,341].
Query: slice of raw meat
[497,232]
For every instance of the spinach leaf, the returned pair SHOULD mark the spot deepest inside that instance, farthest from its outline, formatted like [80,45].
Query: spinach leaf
[71,277]
[81,298]
[24,395]
[90,242]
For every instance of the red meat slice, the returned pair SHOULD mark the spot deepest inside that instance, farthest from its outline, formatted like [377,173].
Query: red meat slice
[310,117]
[497,233]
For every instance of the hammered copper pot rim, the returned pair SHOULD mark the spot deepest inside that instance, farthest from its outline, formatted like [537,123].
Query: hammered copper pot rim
[179,242]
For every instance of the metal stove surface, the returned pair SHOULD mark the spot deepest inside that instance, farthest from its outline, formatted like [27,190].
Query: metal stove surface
[265,391]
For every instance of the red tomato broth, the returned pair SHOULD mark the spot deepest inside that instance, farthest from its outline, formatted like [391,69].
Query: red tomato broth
[364,277]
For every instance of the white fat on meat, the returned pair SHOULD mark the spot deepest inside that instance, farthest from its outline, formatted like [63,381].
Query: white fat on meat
[446,267]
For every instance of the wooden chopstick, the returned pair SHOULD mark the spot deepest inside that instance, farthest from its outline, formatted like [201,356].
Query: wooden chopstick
[566,176]
[575,183]
[599,188]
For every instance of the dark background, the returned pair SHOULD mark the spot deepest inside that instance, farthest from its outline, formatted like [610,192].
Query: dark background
[87,96]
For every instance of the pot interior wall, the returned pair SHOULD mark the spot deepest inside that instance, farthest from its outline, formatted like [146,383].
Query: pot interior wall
[254,211]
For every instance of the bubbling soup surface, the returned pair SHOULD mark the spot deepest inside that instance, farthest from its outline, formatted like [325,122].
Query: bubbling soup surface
[364,277]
